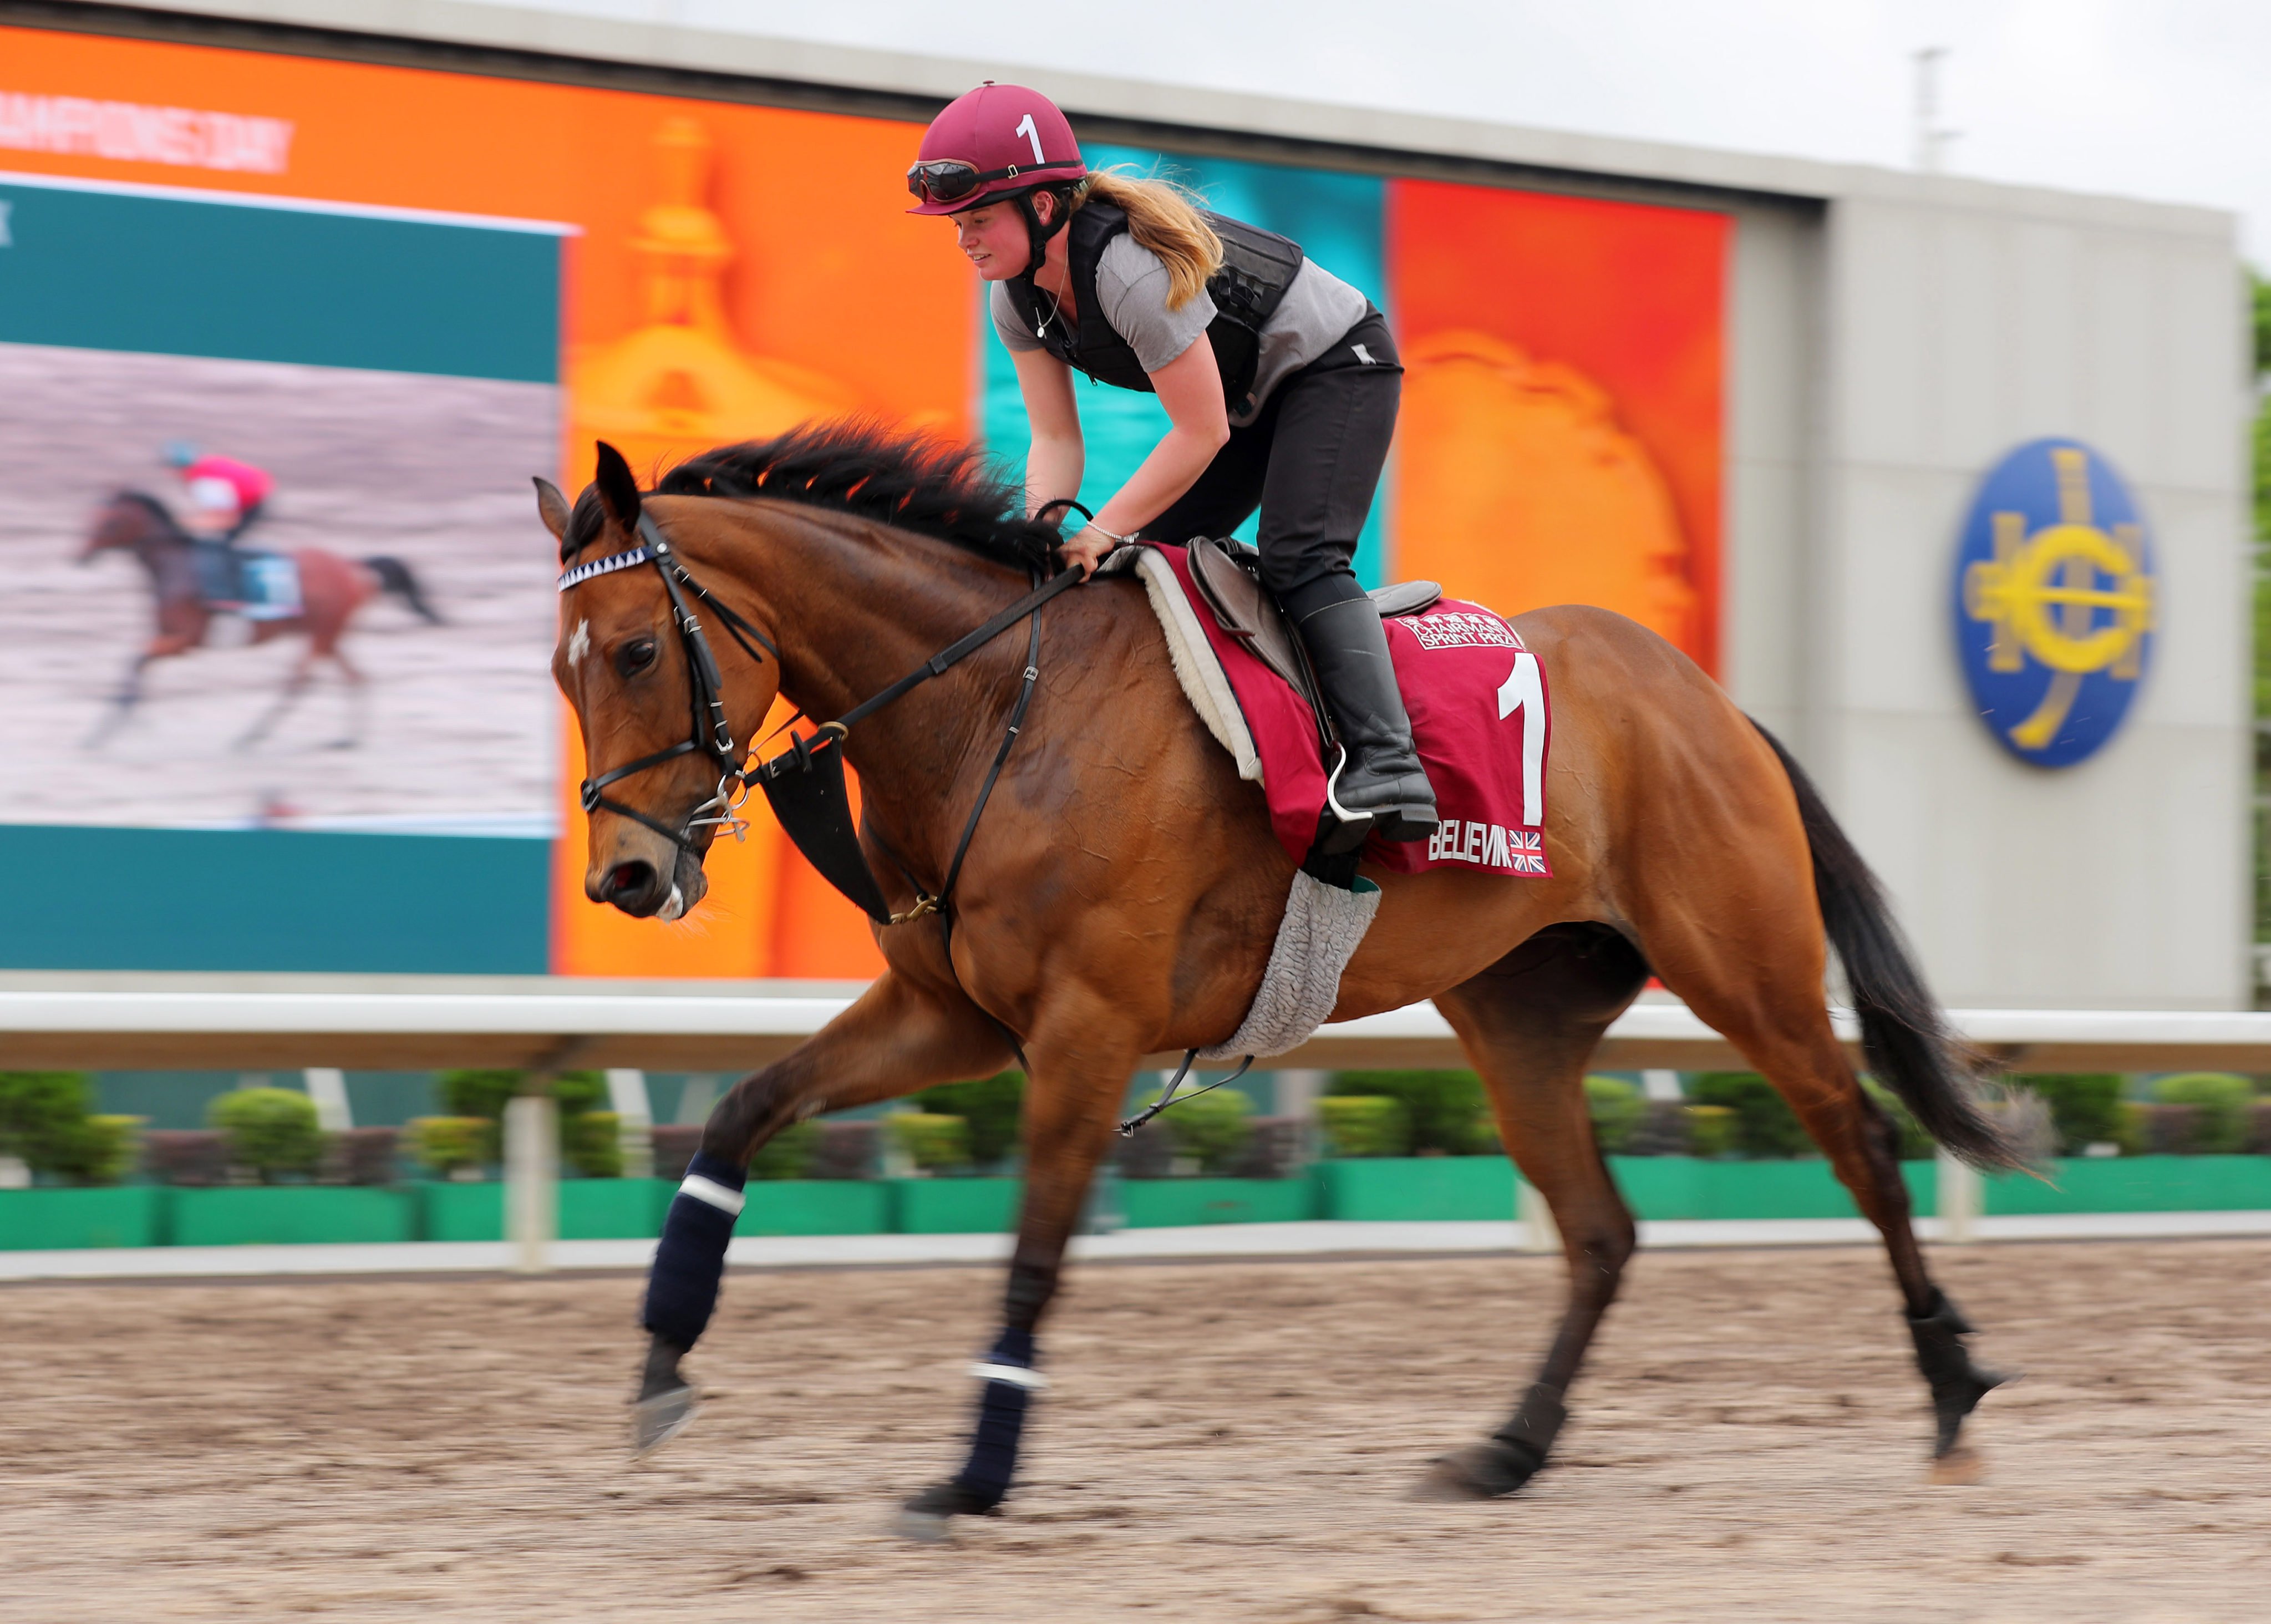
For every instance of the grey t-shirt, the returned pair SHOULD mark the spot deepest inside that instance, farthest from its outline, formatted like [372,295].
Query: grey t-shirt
[1131,286]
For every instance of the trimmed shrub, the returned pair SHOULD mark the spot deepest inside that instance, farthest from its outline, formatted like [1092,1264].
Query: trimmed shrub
[1364,1125]
[269,1130]
[1712,1131]
[675,1145]
[592,1142]
[846,1150]
[2085,1105]
[1273,1148]
[1616,1105]
[448,1144]
[992,1106]
[1662,1129]
[1147,1153]
[1444,1111]
[43,1119]
[2159,1129]
[789,1154]
[1916,1144]
[1765,1126]
[931,1141]
[1210,1127]
[2221,1100]
[189,1157]
[483,1091]
[364,1156]
[592,1150]
[107,1150]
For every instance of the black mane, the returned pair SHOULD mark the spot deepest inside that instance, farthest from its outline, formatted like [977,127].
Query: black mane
[157,509]
[915,481]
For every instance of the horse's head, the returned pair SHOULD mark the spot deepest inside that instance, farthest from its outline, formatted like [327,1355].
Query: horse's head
[632,677]
[127,521]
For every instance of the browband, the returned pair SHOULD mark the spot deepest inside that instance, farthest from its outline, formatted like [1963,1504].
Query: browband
[608,565]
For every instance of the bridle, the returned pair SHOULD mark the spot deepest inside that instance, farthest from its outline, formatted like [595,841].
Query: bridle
[712,732]
[804,783]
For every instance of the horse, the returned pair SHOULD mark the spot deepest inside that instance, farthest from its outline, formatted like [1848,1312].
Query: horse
[1120,894]
[331,589]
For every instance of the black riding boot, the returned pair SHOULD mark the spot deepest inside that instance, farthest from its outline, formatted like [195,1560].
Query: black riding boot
[1383,777]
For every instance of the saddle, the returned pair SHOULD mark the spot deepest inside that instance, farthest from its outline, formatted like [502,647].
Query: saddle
[1228,573]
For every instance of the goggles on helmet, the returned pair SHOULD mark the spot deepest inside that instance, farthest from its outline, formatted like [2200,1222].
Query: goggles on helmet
[950,180]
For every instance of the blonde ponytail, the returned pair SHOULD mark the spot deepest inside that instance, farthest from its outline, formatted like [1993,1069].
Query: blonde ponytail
[1163,218]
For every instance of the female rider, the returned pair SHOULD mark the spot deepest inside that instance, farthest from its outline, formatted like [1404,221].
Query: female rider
[1288,405]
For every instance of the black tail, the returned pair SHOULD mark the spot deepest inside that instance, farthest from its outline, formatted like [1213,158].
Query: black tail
[1904,1032]
[394,577]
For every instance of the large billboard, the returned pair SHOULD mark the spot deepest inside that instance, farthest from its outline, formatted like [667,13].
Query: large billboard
[396,293]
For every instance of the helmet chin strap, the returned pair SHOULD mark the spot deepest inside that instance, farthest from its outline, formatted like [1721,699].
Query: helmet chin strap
[1038,234]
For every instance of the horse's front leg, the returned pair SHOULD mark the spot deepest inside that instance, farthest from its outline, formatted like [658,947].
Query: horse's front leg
[129,691]
[1070,1105]
[899,1036]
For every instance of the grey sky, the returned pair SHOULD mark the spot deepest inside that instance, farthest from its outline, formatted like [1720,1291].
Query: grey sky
[2158,98]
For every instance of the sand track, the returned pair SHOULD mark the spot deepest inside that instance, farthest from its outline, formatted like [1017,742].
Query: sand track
[1225,1441]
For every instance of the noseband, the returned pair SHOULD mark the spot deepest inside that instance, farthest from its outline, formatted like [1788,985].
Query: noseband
[805,783]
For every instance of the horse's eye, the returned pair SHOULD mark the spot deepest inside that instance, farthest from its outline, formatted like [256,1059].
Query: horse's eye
[634,656]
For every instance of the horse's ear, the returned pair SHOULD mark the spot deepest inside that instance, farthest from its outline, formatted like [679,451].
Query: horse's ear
[552,507]
[618,490]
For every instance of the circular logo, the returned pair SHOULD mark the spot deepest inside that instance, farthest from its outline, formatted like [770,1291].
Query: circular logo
[2055,594]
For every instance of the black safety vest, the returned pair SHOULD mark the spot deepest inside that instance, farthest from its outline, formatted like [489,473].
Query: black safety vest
[1257,267]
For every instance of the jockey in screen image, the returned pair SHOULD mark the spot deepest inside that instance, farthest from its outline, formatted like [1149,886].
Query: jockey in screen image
[1288,406]
[225,498]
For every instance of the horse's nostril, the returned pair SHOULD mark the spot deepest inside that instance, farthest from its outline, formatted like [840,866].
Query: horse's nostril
[629,881]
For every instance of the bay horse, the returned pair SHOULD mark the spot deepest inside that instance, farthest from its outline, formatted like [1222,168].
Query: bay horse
[331,590]
[1123,888]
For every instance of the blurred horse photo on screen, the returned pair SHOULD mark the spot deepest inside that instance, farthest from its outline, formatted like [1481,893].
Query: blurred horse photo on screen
[332,589]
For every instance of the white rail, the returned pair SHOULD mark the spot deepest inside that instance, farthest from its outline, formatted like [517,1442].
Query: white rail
[377,1024]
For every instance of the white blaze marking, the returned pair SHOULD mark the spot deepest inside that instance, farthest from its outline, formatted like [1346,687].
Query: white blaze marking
[580,645]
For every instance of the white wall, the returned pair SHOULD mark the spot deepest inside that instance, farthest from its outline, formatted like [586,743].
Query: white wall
[1958,322]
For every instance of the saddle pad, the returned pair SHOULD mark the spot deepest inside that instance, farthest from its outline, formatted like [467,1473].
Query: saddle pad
[271,586]
[1479,715]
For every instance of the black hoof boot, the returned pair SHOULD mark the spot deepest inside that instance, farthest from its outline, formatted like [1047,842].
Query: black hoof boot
[1488,1471]
[1957,1384]
[1507,1459]
[929,1516]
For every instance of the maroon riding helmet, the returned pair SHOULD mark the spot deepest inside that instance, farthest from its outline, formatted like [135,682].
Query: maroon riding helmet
[999,142]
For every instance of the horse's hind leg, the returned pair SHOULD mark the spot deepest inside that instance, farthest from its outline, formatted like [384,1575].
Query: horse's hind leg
[357,701]
[1784,1031]
[1529,1024]
[295,686]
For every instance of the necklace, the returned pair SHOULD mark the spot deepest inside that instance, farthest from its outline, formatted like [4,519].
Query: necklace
[1056,308]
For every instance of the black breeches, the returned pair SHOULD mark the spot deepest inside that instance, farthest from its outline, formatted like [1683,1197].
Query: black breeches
[1311,462]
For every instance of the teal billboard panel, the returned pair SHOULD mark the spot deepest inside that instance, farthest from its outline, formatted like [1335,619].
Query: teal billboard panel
[102,268]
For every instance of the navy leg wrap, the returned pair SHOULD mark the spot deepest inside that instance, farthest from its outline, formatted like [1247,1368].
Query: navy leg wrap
[1002,1407]
[682,1290]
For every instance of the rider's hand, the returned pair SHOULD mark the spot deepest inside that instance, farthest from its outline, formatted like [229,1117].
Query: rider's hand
[1086,546]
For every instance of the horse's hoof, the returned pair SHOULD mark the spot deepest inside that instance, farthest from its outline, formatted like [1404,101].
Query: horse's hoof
[929,1517]
[1961,1466]
[1480,1472]
[923,1527]
[656,1420]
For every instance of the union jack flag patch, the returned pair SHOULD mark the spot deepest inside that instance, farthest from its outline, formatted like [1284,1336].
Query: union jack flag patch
[1489,845]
